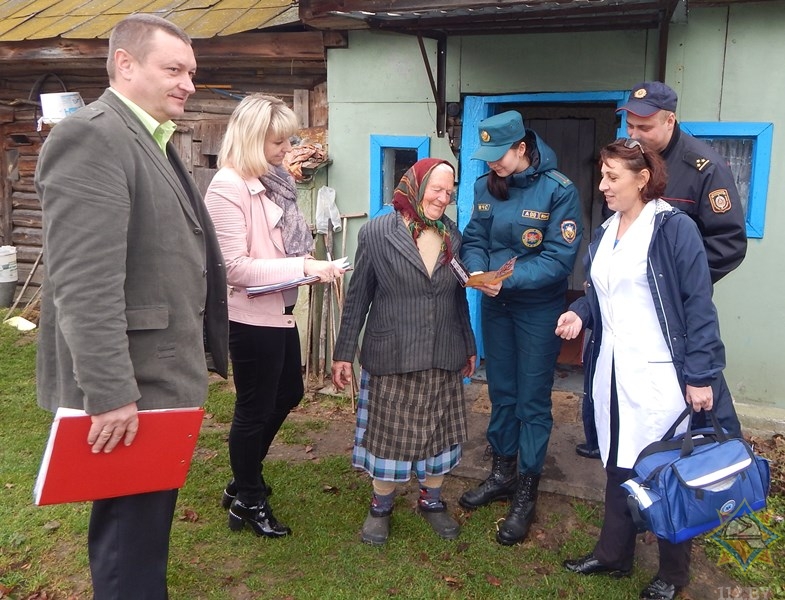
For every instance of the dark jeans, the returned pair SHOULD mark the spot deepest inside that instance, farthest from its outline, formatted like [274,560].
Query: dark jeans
[268,379]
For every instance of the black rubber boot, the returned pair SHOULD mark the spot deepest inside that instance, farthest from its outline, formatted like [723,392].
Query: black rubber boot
[376,528]
[500,485]
[515,526]
[439,519]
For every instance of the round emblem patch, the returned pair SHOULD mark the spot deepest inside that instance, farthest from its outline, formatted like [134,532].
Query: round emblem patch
[531,238]
[728,507]
[641,93]
[485,136]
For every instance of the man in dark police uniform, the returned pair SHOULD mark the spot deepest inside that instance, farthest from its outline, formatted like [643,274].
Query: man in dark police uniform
[701,184]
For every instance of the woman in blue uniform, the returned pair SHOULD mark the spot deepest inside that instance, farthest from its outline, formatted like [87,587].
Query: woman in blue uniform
[525,208]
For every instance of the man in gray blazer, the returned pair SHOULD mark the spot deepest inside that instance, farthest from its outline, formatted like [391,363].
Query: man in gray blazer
[134,298]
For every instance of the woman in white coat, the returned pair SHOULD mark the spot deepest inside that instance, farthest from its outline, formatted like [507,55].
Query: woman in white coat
[655,344]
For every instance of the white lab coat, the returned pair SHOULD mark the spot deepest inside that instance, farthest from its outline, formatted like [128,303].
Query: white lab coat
[649,394]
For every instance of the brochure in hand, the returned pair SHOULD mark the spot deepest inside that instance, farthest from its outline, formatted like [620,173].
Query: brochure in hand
[484,278]
[261,290]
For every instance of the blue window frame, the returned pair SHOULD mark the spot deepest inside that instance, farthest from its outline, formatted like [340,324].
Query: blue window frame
[391,157]
[750,166]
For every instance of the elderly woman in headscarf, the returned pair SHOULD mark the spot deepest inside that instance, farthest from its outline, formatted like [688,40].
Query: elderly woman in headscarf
[417,347]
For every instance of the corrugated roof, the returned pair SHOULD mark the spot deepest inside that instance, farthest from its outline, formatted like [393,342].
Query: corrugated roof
[89,19]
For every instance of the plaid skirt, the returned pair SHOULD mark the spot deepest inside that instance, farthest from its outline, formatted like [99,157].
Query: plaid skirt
[414,423]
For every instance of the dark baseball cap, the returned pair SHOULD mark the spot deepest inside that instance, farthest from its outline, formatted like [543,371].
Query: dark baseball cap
[497,134]
[648,97]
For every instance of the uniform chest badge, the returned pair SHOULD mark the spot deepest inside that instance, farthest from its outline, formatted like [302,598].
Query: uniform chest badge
[720,201]
[535,214]
[531,238]
[569,231]
[484,207]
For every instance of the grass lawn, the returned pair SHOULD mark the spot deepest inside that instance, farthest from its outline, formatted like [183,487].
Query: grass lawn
[43,549]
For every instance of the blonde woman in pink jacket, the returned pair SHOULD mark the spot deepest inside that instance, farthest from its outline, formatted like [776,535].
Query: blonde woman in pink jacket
[264,239]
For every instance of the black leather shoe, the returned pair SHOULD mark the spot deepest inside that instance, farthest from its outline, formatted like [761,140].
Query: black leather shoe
[588,565]
[659,589]
[258,517]
[230,492]
[586,452]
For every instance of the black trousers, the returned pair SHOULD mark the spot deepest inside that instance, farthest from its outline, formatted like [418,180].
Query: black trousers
[616,546]
[268,379]
[128,546]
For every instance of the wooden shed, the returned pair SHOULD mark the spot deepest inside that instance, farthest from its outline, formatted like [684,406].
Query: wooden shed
[53,46]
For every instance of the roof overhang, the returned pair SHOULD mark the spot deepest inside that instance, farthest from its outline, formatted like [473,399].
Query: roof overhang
[473,17]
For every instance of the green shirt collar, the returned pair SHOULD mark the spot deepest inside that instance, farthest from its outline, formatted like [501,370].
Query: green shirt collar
[161,132]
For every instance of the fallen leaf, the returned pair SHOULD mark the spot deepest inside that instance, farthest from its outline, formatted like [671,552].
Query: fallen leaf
[452,581]
[329,489]
[493,580]
[189,515]
[309,448]
[462,547]
[9,486]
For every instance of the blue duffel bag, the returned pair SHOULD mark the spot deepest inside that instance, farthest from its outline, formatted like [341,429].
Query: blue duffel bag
[697,481]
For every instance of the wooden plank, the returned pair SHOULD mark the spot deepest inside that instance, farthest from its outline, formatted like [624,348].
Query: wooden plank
[319,106]
[301,107]
[26,218]
[26,236]
[210,134]
[203,176]
[307,45]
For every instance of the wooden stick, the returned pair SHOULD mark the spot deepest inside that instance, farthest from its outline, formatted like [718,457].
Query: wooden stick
[309,337]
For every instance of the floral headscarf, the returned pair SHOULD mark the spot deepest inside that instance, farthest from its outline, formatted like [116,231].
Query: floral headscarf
[407,200]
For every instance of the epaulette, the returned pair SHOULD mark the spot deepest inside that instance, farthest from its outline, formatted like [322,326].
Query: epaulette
[560,178]
[696,161]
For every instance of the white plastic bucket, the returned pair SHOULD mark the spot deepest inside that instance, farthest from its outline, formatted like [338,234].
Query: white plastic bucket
[8,275]
[58,106]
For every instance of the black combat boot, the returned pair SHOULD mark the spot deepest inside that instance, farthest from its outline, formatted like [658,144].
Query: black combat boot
[500,484]
[519,518]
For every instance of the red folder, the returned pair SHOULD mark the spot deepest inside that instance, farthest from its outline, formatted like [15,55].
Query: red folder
[158,459]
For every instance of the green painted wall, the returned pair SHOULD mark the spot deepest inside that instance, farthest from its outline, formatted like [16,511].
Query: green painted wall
[725,63]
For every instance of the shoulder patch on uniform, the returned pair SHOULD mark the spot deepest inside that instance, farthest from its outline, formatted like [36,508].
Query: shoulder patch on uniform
[484,206]
[720,201]
[562,179]
[696,161]
[569,231]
